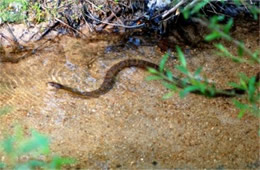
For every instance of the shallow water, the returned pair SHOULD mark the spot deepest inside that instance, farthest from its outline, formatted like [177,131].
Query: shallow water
[131,126]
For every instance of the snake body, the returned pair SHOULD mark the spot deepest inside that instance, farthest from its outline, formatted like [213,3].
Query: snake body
[109,79]
[111,74]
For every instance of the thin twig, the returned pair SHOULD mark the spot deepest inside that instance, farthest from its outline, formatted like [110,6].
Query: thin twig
[108,19]
[48,30]
[17,60]
[224,35]
[117,25]
[173,9]
[96,6]
[15,40]
[57,19]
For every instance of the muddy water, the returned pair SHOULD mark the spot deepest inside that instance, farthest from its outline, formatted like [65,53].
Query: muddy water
[131,126]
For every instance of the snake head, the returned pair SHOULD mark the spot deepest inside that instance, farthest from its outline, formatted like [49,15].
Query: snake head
[55,85]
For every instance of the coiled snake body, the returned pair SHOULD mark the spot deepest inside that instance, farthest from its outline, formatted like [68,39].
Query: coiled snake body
[110,76]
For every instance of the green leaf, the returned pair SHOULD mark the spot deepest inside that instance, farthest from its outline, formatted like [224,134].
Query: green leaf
[226,53]
[237,2]
[243,83]
[214,21]
[22,167]
[181,57]
[222,48]
[256,57]
[211,91]
[182,69]
[163,61]
[18,134]
[235,85]
[201,86]
[100,6]
[152,70]
[242,107]
[168,95]
[35,163]
[251,89]
[220,17]
[228,26]
[169,85]
[197,72]
[186,13]
[240,49]
[169,75]
[237,59]
[15,146]
[187,90]
[31,164]
[214,35]
[241,113]
[8,145]
[198,6]
[255,11]
[239,105]
[2,165]
[153,77]
[37,141]
[255,109]
[57,162]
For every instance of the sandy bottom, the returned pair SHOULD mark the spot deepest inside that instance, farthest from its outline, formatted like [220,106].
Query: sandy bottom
[131,126]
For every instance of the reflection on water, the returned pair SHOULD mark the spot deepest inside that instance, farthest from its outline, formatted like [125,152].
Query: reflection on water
[131,125]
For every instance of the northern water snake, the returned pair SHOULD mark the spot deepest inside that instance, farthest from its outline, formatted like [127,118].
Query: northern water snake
[110,76]
[109,79]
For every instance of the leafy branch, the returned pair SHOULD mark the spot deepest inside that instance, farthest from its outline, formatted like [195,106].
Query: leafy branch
[193,83]
[17,146]
[222,31]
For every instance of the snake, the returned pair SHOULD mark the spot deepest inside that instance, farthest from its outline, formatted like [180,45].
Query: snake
[110,79]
